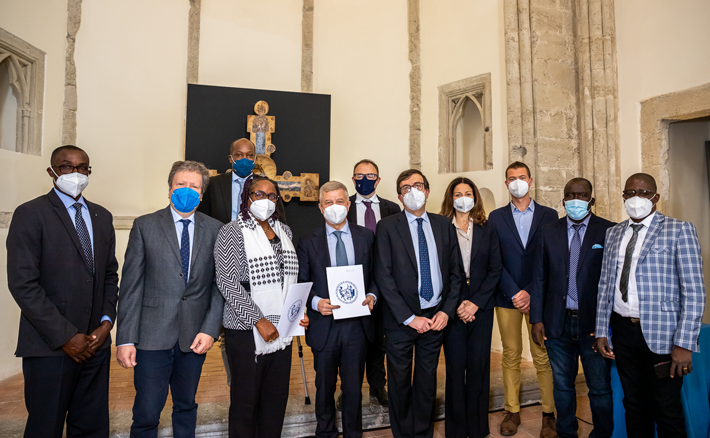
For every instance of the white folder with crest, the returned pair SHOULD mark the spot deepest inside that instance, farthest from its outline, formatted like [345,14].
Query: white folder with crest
[346,286]
[292,311]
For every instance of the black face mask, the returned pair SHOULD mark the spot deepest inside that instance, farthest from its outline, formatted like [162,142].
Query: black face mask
[365,186]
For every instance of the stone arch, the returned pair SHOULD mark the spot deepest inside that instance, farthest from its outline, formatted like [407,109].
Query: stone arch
[19,85]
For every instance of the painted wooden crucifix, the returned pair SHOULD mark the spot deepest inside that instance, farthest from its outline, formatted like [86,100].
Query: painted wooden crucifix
[260,127]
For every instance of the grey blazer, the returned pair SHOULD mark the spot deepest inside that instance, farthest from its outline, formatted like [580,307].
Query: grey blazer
[155,307]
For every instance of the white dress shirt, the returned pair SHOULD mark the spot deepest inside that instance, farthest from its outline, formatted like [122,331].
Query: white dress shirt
[190,230]
[361,208]
[631,307]
[237,186]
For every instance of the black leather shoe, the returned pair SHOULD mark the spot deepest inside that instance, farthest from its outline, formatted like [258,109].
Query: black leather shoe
[381,395]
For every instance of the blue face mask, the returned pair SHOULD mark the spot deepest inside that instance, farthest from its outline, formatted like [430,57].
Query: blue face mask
[185,199]
[243,167]
[577,209]
[365,186]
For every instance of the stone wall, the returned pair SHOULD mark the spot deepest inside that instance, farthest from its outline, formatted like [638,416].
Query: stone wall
[562,96]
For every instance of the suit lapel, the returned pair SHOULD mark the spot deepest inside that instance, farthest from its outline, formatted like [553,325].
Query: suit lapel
[563,241]
[226,189]
[168,226]
[406,236]
[97,231]
[63,214]
[196,241]
[322,241]
[537,218]
[438,238]
[477,232]
[508,217]
[358,244]
[651,235]
[589,237]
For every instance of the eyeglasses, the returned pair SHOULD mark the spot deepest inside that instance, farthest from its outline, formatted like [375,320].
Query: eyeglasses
[65,169]
[259,195]
[648,194]
[406,188]
[370,176]
[239,156]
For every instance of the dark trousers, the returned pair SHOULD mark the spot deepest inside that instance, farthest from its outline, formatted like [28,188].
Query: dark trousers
[412,401]
[646,397]
[467,347]
[156,372]
[259,391]
[564,353]
[57,388]
[344,353]
[375,360]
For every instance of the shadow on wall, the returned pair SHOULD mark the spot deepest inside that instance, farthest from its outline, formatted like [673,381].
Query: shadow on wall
[489,201]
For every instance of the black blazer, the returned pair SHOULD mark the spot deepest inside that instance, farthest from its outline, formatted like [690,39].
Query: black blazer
[46,273]
[313,258]
[217,200]
[518,261]
[397,272]
[552,275]
[387,208]
[485,268]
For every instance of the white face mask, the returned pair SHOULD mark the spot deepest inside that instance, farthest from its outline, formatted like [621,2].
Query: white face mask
[518,188]
[464,204]
[414,199]
[72,183]
[637,207]
[262,209]
[335,213]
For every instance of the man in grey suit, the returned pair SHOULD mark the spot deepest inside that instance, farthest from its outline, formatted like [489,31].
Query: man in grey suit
[169,310]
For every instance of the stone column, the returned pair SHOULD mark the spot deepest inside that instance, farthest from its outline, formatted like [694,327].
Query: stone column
[193,41]
[307,47]
[415,86]
[70,105]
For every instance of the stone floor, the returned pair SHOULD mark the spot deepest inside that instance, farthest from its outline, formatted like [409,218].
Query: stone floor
[213,396]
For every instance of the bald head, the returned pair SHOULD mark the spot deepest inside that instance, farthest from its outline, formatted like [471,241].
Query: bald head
[646,180]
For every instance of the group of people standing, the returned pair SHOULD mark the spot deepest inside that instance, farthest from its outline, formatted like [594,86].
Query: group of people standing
[219,261]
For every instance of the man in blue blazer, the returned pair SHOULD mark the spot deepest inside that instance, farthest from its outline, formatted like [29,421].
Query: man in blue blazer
[563,308]
[339,345]
[651,297]
[518,225]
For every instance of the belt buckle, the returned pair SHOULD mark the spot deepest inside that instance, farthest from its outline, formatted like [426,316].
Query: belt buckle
[468,281]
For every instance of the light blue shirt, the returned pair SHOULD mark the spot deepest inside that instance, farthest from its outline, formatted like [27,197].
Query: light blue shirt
[523,220]
[178,230]
[572,304]
[69,204]
[332,240]
[237,186]
[436,281]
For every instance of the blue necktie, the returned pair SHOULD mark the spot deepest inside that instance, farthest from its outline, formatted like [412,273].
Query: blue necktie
[341,256]
[574,261]
[84,237]
[185,248]
[427,290]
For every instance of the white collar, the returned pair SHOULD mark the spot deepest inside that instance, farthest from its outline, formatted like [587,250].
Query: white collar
[177,217]
[359,198]
[411,218]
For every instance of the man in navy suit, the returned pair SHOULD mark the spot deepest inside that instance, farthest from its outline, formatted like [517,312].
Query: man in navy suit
[518,225]
[339,345]
[419,278]
[367,209]
[563,308]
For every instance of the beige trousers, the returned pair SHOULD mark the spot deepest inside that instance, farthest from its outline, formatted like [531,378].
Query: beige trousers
[510,323]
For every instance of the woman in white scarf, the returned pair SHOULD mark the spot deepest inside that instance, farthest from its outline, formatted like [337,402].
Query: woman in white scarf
[255,264]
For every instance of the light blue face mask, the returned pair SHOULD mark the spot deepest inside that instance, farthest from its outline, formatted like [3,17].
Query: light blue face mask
[577,209]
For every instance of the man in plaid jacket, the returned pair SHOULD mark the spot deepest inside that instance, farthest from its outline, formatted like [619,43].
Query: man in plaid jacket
[651,300]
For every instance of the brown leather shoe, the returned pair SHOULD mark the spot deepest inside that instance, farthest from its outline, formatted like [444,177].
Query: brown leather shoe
[510,424]
[549,427]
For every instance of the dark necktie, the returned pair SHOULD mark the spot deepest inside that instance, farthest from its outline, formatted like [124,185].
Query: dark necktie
[370,221]
[427,290]
[84,237]
[341,256]
[624,284]
[185,248]
[574,261]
